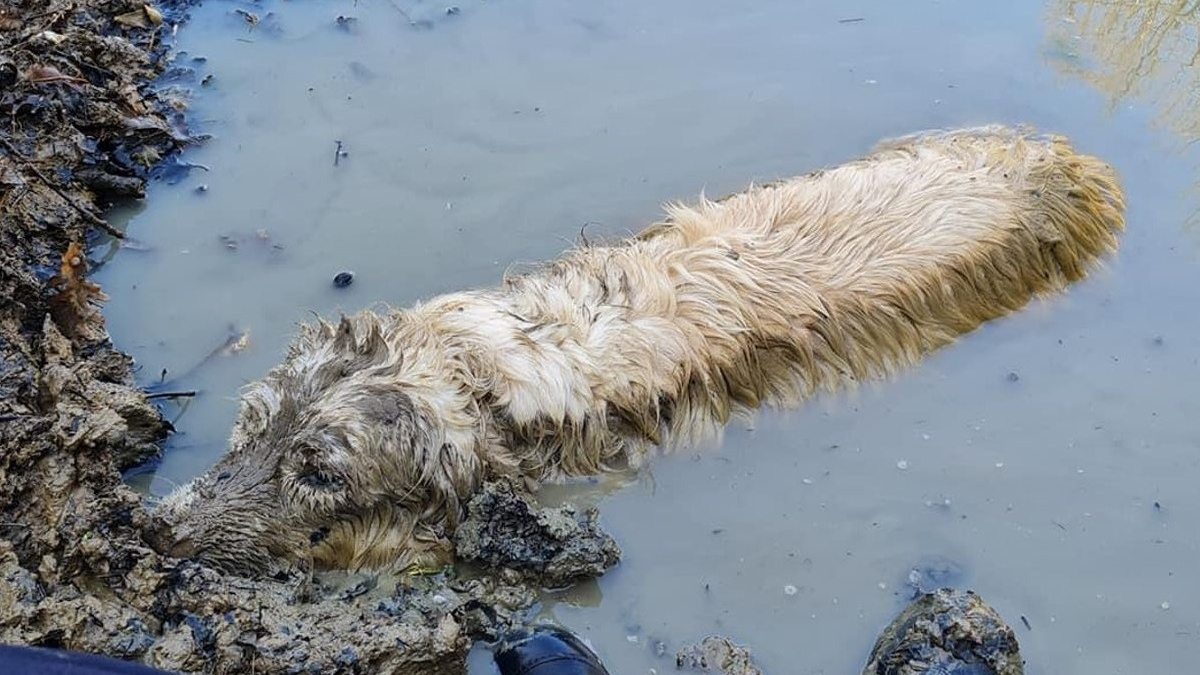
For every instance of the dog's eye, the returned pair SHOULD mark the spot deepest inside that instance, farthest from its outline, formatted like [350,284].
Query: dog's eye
[320,480]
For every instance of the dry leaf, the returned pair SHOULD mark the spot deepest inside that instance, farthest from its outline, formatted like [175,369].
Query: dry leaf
[77,298]
[135,19]
[10,22]
[50,37]
[42,74]
[146,17]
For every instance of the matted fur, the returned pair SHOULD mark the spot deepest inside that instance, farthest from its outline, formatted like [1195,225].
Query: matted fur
[362,446]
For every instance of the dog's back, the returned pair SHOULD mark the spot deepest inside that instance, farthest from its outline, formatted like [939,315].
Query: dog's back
[815,282]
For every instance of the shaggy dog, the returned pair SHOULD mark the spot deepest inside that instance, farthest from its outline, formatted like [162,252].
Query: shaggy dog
[362,447]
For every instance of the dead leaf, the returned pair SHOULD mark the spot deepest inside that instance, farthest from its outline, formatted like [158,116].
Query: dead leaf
[135,19]
[10,22]
[40,73]
[78,299]
[145,123]
[50,37]
[146,17]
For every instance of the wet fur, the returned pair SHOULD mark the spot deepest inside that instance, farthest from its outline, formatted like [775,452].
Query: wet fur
[764,297]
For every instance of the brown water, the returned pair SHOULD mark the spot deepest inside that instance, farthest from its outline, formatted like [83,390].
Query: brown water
[491,136]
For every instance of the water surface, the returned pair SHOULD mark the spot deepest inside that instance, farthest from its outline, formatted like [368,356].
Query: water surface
[1050,458]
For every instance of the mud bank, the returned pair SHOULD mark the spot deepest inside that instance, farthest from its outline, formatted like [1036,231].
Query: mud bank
[86,129]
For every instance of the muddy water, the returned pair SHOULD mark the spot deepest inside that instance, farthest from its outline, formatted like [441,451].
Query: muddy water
[1049,460]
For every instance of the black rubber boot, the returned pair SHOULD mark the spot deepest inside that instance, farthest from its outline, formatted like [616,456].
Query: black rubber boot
[546,650]
[20,660]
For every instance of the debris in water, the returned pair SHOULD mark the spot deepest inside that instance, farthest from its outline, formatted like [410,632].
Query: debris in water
[902,464]
[1013,377]
[343,279]
[250,17]
[790,590]
[131,244]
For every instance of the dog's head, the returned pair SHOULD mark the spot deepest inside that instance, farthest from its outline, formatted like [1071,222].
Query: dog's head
[356,451]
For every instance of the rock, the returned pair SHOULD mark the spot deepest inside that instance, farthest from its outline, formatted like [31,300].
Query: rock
[556,547]
[946,632]
[717,654]
[343,279]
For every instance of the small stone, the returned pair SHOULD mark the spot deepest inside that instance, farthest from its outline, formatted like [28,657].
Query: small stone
[343,279]
[201,188]
[452,10]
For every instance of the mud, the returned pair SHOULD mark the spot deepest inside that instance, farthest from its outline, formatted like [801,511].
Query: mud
[506,532]
[94,109]
[947,631]
[717,654]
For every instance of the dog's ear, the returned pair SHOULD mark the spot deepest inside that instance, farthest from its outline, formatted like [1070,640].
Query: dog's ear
[435,469]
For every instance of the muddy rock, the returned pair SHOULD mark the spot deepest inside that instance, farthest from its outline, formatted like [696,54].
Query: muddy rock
[947,632]
[717,654]
[506,530]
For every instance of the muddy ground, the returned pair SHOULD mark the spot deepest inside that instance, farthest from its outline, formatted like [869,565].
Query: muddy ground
[93,110]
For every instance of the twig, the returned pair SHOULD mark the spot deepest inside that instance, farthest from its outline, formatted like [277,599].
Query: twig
[406,15]
[87,215]
[337,153]
[583,234]
[172,394]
